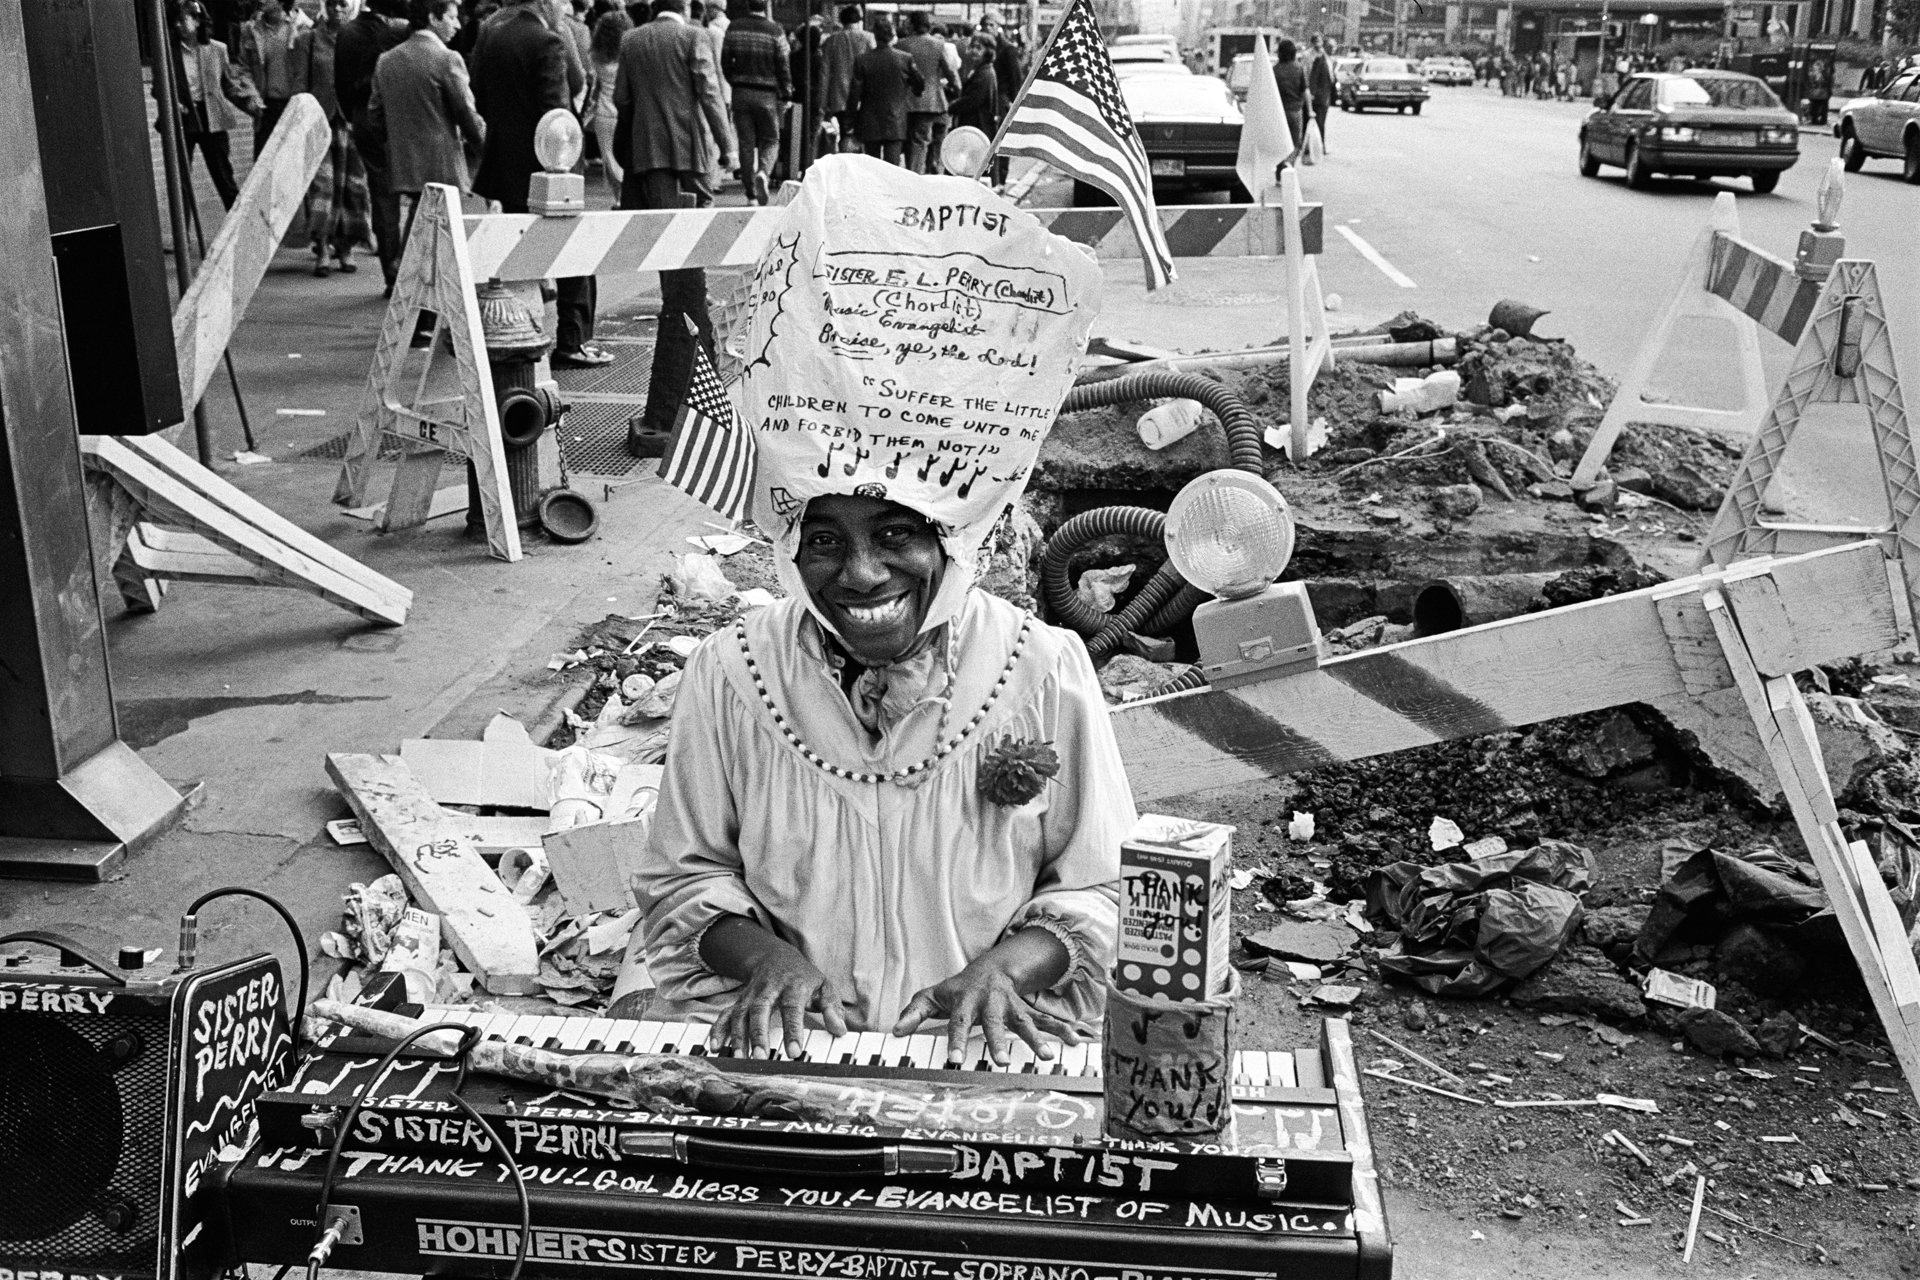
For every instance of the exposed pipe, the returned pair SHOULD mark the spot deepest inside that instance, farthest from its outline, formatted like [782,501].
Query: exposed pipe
[1244,440]
[1370,351]
[1450,604]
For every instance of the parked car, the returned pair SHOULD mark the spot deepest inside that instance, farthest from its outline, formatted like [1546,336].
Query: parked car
[1125,69]
[1240,74]
[1168,43]
[1446,71]
[1190,128]
[1695,123]
[1886,124]
[1383,82]
[1123,54]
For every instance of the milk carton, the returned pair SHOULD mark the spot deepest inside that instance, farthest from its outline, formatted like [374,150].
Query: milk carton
[1175,909]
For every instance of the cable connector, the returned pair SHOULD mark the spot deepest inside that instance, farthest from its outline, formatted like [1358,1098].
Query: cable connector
[189,942]
[343,1227]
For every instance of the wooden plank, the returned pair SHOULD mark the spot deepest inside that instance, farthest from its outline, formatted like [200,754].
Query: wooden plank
[1696,649]
[1786,727]
[245,506]
[166,497]
[487,929]
[212,307]
[1520,671]
[188,557]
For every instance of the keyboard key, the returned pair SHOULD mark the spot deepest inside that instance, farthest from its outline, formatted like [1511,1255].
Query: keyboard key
[1280,1069]
[926,1051]
[870,1048]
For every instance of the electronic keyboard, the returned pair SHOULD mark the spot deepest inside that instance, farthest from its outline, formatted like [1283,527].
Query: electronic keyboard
[930,1171]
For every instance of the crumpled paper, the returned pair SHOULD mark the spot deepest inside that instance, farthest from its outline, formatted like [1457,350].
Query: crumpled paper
[698,576]
[1099,587]
[1468,927]
[371,914]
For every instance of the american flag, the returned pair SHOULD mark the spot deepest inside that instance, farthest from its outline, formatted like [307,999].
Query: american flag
[710,456]
[1071,116]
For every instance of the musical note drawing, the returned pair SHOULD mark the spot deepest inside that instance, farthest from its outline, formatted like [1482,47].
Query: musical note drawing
[966,486]
[859,456]
[893,468]
[825,469]
[951,471]
[927,466]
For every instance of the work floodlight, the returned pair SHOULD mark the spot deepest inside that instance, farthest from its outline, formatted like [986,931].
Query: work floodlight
[557,145]
[966,151]
[1230,533]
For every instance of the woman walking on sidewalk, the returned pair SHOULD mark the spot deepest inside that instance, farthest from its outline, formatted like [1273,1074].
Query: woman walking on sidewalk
[339,207]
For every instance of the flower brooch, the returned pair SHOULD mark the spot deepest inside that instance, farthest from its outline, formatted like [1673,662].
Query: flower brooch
[1017,770]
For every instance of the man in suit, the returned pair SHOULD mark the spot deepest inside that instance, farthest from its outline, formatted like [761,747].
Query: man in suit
[422,105]
[520,72]
[355,54]
[757,63]
[927,111]
[885,81]
[838,53]
[670,129]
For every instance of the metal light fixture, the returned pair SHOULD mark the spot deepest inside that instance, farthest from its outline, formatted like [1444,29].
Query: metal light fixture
[966,151]
[1231,533]
[557,145]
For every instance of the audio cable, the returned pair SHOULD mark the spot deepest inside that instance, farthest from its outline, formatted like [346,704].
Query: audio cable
[329,1232]
[190,944]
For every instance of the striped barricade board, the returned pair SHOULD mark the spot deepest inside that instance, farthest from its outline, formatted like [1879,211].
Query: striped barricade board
[1766,289]
[1749,627]
[510,246]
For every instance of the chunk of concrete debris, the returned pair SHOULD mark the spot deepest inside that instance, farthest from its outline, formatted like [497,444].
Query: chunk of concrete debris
[1717,1034]
[1314,941]
[1582,980]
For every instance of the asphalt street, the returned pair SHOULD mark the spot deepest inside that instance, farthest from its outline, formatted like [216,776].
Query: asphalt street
[1479,198]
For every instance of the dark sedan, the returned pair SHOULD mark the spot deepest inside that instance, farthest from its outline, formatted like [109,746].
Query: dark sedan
[1383,82]
[1696,124]
[1190,127]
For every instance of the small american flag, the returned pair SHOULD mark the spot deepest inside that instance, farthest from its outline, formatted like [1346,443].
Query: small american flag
[711,455]
[1071,116]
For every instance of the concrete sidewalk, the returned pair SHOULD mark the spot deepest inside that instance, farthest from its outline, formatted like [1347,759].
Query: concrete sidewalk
[246,689]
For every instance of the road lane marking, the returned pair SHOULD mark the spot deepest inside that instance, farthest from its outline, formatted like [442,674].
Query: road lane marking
[1372,255]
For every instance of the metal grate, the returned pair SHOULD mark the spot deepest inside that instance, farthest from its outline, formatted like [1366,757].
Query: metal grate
[593,440]
[77,1135]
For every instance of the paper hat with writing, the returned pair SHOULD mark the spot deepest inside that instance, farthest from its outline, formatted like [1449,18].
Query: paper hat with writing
[911,339]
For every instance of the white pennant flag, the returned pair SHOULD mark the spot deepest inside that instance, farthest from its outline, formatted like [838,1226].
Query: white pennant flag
[1265,139]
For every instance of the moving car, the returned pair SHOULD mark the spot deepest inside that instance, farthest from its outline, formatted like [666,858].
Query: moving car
[1695,123]
[1887,124]
[1190,127]
[1447,70]
[1383,82]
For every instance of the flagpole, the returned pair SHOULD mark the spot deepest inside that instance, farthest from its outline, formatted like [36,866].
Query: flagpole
[1033,67]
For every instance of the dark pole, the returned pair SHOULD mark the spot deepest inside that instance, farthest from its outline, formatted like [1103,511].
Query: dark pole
[73,797]
[809,120]
[173,162]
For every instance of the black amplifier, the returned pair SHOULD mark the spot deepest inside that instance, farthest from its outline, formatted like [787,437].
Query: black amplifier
[120,1093]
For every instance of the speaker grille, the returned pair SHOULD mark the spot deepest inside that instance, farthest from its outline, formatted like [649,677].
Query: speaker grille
[79,1137]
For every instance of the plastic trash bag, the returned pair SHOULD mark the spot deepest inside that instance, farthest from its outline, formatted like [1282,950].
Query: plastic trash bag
[1469,927]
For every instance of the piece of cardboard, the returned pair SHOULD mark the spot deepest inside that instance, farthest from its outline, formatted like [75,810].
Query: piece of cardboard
[591,864]
[503,773]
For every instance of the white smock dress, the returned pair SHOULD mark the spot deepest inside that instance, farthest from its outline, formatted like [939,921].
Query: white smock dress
[886,888]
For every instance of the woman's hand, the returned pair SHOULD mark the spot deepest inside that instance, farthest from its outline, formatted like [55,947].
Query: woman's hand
[989,996]
[781,986]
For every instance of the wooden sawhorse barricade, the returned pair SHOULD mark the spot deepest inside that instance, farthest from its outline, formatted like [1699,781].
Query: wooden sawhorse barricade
[449,253]
[156,514]
[1749,626]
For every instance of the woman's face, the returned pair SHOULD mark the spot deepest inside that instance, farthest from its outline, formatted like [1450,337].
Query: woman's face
[872,568]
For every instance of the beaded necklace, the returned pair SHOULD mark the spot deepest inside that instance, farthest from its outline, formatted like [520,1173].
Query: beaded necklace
[908,773]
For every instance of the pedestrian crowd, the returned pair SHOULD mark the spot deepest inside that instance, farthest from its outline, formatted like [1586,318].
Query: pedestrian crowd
[676,98]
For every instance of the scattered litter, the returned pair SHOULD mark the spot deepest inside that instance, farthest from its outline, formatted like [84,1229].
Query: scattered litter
[1445,834]
[1301,971]
[697,577]
[1621,1139]
[1424,1088]
[1781,1137]
[1686,1170]
[1098,589]
[722,544]
[1300,826]
[1428,1063]
[1671,988]
[1338,996]
[1693,1216]
[1485,847]
[683,646]
[1636,1222]
[1476,1235]
[301,413]
[1550,1056]
[1646,1106]
[1676,1139]
[1311,940]
[346,831]
[755,598]
[1436,391]
[1240,878]
[248,458]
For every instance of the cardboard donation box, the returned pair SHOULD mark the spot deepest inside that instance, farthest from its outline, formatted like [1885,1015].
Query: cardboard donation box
[1175,909]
